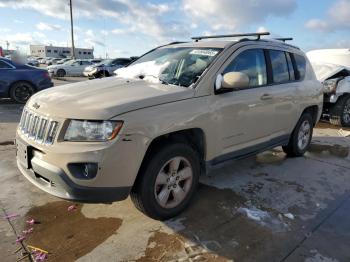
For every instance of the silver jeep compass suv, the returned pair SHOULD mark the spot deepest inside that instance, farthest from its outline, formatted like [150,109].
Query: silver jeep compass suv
[178,110]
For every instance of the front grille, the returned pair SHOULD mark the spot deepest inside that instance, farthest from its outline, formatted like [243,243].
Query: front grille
[38,128]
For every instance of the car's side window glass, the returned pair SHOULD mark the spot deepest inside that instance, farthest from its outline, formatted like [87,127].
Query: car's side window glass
[279,65]
[252,63]
[290,67]
[4,65]
[301,66]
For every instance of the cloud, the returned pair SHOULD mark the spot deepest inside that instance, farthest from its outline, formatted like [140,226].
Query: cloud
[48,27]
[90,33]
[337,18]
[92,42]
[229,15]
[104,32]
[149,19]
[19,39]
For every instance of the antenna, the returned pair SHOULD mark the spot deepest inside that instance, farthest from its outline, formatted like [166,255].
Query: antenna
[258,35]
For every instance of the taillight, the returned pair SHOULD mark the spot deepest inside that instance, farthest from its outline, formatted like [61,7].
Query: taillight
[46,75]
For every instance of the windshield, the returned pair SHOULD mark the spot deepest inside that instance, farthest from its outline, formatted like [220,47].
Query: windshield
[104,62]
[69,62]
[177,66]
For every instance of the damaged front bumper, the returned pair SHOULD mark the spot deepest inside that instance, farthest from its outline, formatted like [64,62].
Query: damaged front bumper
[55,181]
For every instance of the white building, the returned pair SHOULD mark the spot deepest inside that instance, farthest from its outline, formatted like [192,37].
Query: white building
[57,51]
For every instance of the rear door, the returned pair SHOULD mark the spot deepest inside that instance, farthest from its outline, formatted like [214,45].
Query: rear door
[283,92]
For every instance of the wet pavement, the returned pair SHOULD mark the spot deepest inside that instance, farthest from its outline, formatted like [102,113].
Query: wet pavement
[264,208]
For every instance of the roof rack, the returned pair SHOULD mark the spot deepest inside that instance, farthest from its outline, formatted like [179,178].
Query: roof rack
[284,39]
[258,35]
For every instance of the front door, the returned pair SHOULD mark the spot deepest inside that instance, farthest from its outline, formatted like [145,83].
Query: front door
[246,115]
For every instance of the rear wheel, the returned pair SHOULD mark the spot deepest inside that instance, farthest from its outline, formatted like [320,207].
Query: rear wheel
[21,91]
[301,137]
[61,73]
[167,183]
[340,112]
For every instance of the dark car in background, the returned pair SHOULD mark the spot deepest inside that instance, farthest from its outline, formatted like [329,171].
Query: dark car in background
[106,67]
[19,82]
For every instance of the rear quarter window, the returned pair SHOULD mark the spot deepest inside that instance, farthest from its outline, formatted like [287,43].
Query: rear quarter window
[300,63]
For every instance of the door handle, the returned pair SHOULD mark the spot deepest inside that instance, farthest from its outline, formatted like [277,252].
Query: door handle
[266,97]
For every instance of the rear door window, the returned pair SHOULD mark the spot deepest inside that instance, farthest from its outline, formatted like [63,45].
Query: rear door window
[252,63]
[280,71]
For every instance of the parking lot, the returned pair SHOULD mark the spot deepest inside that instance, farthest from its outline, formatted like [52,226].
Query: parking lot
[264,208]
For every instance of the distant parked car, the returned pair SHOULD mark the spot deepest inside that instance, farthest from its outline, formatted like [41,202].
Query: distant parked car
[54,61]
[96,61]
[62,61]
[42,60]
[19,81]
[70,68]
[33,62]
[106,67]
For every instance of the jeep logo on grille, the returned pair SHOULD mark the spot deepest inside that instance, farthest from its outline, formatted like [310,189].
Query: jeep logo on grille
[36,105]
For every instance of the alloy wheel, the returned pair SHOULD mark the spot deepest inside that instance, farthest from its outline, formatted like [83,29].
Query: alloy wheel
[173,182]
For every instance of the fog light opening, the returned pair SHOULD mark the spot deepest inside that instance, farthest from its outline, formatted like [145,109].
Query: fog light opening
[83,170]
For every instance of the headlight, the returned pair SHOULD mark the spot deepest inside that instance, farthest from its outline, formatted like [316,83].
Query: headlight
[98,131]
[330,86]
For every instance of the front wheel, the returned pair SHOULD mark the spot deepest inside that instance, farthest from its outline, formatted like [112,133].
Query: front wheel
[340,112]
[61,73]
[167,183]
[301,137]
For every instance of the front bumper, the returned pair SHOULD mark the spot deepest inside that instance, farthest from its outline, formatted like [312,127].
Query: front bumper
[55,180]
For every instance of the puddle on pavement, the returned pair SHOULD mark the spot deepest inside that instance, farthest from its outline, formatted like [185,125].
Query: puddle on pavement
[219,230]
[334,150]
[161,247]
[169,247]
[68,235]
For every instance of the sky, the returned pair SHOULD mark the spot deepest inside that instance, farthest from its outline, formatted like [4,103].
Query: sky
[122,28]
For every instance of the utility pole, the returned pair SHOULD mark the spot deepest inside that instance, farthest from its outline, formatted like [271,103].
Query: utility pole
[7,45]
[71,28]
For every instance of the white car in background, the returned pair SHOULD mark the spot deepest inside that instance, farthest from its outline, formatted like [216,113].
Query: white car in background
[332,68]
[70,68]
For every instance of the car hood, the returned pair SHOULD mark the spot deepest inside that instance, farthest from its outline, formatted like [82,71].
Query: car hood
[326,71]
[104,98]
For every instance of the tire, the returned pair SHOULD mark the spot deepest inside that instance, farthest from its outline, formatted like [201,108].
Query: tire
[61,73]
[339,114]
[300,139]
[21,91]
[152,183]
[103,74]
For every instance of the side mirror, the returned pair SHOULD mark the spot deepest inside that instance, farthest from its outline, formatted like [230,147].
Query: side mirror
[232,80]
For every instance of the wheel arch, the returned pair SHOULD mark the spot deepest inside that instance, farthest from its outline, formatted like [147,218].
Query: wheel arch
[194,137]
[314,111]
